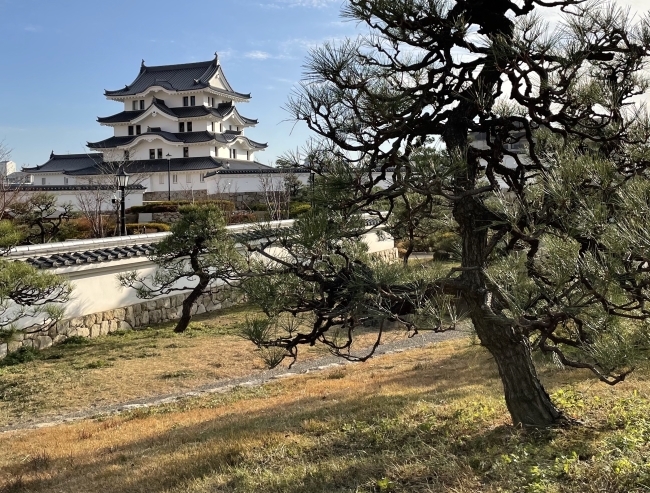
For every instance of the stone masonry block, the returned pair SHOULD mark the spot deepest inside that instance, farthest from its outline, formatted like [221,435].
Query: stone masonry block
[119,314]
[13,346]
[42,342]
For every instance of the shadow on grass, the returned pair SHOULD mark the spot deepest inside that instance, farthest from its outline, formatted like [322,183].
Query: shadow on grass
[416,436]
[256,453]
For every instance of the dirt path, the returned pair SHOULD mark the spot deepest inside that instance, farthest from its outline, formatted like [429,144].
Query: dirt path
[225,385]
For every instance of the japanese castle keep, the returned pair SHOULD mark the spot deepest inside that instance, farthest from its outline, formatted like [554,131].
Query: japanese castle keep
[178,123]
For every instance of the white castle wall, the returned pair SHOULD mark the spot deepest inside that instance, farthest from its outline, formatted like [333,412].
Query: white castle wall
[100,305]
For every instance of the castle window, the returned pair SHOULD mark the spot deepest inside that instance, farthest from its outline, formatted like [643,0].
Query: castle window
[216,152]
[142,104]
[248,156]
[185,101]
[161,179]
[126,155]
[186,152]
[138,129]
[188,178]
[189,126]
[192,101]
[233,153]
[221,128]
[160,154]
[42,181]
[181,127]
[135,106]
[202,177]
[65,180]
[152,153]
[130,129]
[174,178]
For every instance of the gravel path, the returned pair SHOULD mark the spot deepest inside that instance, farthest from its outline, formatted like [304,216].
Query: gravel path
[225,385]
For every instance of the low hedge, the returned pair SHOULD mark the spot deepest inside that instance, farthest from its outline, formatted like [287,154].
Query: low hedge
[224,205]
[139,228]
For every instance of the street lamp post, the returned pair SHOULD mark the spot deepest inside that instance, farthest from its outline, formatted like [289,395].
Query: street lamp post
[122,180]
[169,183]
[312,174]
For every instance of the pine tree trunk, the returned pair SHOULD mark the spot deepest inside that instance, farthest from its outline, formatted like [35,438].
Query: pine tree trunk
[527,400]
[186,314]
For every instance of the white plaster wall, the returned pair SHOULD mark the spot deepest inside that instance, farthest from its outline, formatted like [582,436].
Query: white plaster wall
[72,197]
[234,183]
[164,121]
[96,287]
[181,185]
[140,150]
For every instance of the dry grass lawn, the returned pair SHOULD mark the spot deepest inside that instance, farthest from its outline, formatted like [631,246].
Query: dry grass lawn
[427,420]
[90,373]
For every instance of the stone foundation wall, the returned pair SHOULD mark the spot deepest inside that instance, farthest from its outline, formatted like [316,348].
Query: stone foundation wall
[165,217]
[103,323]
[241,199]
[176,195]
[391,255]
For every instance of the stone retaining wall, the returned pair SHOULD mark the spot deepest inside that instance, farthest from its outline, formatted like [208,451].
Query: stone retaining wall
[103,323]
[176,195]
[165,217]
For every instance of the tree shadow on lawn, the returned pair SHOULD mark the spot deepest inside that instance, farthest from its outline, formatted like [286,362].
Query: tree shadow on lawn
[473,366]
[307,446]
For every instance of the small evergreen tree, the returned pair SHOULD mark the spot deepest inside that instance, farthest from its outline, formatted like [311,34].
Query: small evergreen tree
[197,256]
[30,299]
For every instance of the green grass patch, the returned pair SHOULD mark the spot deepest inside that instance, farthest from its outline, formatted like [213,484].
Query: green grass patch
[430,420]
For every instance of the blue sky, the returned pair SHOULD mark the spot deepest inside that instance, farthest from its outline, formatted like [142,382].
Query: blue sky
[57,57]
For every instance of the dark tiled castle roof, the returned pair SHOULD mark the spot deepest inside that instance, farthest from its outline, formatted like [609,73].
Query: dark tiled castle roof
[67,162]
[181,112]
[180,77]
[90,256]
[135,248]
[185,138]
[91,164]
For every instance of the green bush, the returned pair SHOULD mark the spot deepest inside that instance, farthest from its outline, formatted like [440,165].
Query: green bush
[139,228]
[224,205]
[23,355]
[258,207]
[297,209]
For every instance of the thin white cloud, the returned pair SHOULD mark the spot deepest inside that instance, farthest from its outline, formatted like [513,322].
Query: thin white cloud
[33,29]
[281,4]
[258,55]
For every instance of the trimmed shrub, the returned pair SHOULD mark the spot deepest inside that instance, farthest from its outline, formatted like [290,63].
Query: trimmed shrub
[297,209]
[258,207]
[224,205]
[140,228]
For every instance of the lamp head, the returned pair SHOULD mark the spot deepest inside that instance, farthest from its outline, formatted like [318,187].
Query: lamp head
[121,178]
